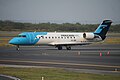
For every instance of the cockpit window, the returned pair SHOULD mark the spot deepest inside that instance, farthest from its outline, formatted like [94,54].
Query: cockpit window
[21,35]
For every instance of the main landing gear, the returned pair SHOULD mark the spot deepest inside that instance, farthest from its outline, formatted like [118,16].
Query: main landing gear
[17,48]
[67,47]
[59,47]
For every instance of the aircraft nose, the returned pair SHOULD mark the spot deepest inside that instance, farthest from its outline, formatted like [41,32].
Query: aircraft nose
[13,41]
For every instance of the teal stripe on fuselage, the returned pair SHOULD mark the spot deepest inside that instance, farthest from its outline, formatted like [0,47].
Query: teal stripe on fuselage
[31,37]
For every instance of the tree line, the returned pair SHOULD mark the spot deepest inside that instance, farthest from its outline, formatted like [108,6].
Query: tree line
[51,27]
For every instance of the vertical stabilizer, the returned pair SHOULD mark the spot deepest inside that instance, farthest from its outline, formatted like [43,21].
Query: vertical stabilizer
[103,29]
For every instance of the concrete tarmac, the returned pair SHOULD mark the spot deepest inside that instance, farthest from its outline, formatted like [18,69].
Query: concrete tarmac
[90,57]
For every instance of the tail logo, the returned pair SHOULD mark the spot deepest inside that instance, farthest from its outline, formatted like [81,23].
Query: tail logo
[103,26]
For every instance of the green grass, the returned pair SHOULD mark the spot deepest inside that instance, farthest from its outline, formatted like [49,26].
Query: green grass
[4,42]
[53,74]
[112,41]
[113,34]
[9,33]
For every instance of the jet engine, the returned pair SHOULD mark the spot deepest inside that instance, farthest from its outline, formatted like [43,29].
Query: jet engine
[88,35]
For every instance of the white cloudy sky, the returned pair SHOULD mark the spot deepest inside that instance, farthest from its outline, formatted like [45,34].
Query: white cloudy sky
[60,11]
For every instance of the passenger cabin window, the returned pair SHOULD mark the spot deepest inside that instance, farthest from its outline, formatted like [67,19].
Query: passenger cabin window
[42,37]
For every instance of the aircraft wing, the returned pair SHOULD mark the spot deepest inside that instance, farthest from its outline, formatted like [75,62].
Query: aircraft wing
[63,43]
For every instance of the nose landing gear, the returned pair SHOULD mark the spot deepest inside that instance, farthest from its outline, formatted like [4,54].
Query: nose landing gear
[17,48]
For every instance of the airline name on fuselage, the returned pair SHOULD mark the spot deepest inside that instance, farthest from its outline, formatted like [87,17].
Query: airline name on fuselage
[69,35]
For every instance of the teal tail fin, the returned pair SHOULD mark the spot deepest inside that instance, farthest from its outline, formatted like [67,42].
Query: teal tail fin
[103,29]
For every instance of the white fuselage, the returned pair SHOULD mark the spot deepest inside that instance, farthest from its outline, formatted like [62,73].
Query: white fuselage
[62,38]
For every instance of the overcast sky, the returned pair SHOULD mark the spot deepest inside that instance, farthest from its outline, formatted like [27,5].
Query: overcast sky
[60,11]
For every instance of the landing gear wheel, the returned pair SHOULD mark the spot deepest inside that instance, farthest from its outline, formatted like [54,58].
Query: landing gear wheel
[59,47]
[17,48]
[68,47]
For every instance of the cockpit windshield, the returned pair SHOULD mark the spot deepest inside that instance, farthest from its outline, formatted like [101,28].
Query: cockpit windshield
[21,35]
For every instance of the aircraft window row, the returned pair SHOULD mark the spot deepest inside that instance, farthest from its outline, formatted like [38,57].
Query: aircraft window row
[56,37]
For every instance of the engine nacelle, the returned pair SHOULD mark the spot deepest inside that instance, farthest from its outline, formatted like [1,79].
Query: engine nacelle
[88,35]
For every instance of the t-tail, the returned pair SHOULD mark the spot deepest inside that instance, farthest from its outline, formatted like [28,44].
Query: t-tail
[103,29]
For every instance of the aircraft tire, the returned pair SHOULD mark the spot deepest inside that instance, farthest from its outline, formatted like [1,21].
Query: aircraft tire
[68,47]
[59,47]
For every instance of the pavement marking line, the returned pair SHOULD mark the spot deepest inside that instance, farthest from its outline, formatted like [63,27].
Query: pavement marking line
[61,63]
[10,77]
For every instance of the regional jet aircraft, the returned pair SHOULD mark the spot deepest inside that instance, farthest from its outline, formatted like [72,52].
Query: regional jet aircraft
[60,39]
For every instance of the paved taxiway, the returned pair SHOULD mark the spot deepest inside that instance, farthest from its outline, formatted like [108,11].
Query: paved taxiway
[80,57]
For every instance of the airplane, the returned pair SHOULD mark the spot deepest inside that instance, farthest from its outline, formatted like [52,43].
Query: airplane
[60,39]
